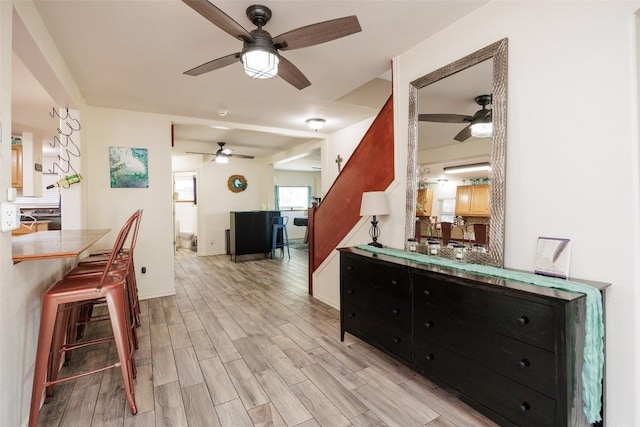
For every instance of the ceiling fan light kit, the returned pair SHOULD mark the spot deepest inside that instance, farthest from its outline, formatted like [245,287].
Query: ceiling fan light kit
[483,128]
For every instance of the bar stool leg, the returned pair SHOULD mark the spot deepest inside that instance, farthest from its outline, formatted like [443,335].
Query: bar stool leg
[45,339]
[116,305]
[285,241]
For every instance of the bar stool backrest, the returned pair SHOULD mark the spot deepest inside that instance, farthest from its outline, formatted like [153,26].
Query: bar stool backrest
[119,243]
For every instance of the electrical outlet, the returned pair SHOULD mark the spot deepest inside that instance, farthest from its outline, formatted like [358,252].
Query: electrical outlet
[10,216]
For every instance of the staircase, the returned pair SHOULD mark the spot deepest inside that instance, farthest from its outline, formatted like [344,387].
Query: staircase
[370,168]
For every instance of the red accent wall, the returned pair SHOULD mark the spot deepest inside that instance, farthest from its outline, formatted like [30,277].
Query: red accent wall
[370,168]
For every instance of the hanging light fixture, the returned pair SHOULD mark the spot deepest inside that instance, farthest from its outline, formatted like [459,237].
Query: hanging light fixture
[315,123]
[259,59]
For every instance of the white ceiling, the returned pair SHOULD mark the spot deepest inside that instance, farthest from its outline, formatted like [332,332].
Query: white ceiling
[131,55]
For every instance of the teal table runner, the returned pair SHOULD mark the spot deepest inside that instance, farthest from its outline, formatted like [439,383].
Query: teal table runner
[593,366]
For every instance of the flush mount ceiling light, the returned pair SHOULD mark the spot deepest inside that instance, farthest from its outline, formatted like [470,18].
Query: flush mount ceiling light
[468,168]
[316,124]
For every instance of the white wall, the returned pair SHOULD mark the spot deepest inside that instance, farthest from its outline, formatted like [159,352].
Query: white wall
[22,285]
[110,207]
[343,143]
[566,61]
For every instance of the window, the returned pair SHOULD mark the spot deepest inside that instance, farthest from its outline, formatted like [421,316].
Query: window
[292,197]
[447,210]
[184,187]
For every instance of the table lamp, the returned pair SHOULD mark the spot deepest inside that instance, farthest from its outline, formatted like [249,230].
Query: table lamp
[374,203]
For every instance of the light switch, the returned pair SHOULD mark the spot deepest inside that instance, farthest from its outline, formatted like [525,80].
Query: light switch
[10,216]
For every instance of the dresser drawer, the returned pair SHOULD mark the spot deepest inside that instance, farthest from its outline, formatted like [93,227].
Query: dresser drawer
[529,365]
[515,402]
[519,318]
[383,278]
[391,310]
[380,333]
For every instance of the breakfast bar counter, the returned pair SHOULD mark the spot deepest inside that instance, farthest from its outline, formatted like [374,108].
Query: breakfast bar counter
[54,244]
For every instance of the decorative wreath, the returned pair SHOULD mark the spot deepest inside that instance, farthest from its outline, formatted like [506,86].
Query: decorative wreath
[237,183]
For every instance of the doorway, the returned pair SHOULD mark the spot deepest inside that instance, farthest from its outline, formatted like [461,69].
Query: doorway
[185,210]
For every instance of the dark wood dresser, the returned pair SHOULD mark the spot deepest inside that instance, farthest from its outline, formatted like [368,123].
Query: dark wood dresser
[251,232]
[511,350]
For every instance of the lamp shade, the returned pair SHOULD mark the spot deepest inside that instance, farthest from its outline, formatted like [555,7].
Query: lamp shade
[374,203]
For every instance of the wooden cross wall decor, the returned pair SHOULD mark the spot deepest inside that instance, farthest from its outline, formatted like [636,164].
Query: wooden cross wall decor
[339,161]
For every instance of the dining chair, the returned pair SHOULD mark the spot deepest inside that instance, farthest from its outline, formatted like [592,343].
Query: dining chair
[445,230]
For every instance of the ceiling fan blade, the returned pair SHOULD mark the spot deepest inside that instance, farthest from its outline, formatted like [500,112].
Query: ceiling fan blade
[444,118]
[290,73]
[241,156]
[198,152]
[464,134]
[314,34]
[481,114]
[214,65]
[220,19]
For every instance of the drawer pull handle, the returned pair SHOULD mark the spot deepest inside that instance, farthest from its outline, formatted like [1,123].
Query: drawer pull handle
[524,407]
[349,291]
[395,311]
[394,282]
[428,324]
[397,340]
[349,267]
[351,315]
[427,292]
[429,357]
[523,320]
[524,363]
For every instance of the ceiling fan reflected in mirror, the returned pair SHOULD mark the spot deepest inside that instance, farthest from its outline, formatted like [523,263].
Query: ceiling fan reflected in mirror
[260,55]
[223,154]
[479,125]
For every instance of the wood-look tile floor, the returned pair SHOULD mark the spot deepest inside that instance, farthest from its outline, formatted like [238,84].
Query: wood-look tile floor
[242,344]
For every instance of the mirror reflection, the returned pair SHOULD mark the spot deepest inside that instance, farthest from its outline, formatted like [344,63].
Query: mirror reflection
[456,158]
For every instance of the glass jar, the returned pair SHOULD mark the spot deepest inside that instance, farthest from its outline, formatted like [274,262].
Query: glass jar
[412,244]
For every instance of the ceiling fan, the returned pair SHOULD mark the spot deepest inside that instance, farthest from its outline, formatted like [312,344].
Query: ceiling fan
[223,154]
[259,55]
[479,125]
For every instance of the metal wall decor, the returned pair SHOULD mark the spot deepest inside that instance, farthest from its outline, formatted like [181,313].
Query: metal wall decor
[237,183]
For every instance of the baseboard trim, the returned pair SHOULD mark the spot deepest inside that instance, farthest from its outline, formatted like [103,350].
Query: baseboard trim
[158,295]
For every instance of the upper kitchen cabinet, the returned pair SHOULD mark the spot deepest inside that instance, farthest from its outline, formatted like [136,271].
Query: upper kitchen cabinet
[16,166]
[425,202]
[473,200]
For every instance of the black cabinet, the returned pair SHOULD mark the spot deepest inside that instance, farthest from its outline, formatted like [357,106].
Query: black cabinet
[511,350]
[251,232]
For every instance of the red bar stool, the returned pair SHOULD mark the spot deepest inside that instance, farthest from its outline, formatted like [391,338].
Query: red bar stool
[101,257]
[123,265]
[57,304]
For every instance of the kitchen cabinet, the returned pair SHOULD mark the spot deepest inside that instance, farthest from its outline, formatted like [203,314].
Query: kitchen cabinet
[425,199]
[512,350]
[16,166]
[473,200]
